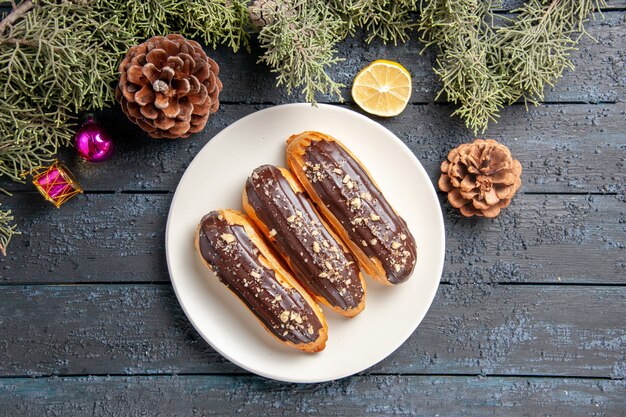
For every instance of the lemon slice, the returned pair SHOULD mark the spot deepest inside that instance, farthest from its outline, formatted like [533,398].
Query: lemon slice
[382,88]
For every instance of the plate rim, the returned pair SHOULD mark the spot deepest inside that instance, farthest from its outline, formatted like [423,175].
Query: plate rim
[439,221]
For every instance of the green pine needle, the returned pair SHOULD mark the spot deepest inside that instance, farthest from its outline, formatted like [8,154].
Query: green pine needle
[300,45]
[483,65]
[7,230]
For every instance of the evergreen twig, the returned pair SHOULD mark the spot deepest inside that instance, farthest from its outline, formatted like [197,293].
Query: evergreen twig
[387,20]
[483,65]
[7,230]
[299,46]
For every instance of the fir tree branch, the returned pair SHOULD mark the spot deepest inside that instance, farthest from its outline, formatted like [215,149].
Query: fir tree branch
[387,20]
[483,65]
[536,46]
[7,230]
[300,45]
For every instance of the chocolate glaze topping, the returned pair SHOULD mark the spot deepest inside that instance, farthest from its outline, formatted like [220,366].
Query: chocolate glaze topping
[235,260]
[347,191]
[318,260]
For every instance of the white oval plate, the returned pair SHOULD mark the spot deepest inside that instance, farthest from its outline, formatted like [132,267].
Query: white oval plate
[215,179]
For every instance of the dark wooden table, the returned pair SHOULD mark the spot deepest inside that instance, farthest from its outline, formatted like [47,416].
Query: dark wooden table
[530,317]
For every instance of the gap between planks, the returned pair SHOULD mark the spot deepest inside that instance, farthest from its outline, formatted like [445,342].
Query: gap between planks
[359,375]
[40,284]
[163,192]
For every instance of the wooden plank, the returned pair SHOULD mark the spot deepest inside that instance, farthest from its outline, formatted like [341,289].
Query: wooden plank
[360,396]
[95,237]
[599,74]
[120,237]
[470,329]
[563,148]
[540,238]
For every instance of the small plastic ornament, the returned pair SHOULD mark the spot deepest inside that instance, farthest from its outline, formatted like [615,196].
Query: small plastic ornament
[56,183]
[92,142]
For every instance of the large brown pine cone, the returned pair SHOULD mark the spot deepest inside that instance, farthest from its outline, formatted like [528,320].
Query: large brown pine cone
[480,178]
[168,86]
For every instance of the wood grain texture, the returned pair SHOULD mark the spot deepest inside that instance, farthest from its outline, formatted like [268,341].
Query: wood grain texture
[563,148]
[359,396]
[486,344]
[470,329]
[120,237]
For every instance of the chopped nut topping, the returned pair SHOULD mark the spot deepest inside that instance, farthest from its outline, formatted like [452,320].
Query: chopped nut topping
[346,179]
[334,249]
[228,238]
[316,247]
[337,171]
[323,275]
[296,317]
[406,253]
[374,217]
[284,316]
[402,236]
[328,265]
[278,298]
[364,243]
[255,175]
[325,243]
[395,245]
[397,268]
[309,329]
[220,217]
[350,185]
[315,233]
[285,333]
[291,218]
[357,220]
[298,213]
[356,203]
[374,241]
[366,196]
[272,232]
[255,274]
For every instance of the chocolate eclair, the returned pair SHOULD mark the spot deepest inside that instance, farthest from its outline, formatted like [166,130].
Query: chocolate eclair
[353,204]
[277,204]
[230,246]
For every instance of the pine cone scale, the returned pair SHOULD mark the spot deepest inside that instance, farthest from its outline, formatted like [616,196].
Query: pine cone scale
[168,86]
[151,72]
[170,48]
[144,97]
[135,75]
[180,87]
[164,123]
[149,112]
[172,110]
